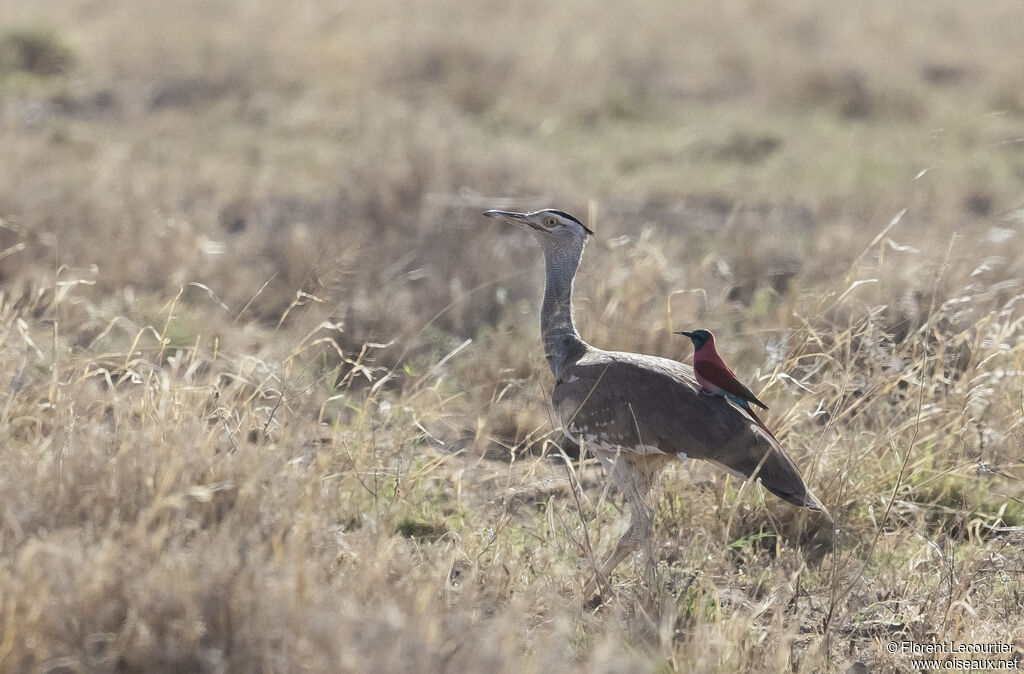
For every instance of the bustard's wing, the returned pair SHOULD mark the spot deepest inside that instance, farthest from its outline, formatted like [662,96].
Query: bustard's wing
[643,403]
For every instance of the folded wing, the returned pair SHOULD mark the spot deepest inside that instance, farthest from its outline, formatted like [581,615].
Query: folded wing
[643,403]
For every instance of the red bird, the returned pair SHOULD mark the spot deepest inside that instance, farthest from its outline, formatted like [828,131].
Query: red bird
[715,377]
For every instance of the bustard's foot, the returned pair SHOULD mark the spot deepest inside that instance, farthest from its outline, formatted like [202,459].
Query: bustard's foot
[595,602]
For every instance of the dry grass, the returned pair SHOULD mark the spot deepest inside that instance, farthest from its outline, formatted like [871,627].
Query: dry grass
[273,397]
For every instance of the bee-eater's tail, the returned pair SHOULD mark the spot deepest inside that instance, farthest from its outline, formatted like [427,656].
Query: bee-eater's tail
[760,423]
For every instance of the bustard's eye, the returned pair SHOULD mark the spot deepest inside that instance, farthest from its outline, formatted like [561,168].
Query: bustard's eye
[550,221]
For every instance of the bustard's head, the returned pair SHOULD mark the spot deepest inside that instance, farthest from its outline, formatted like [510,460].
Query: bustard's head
[553,229]
[699,338]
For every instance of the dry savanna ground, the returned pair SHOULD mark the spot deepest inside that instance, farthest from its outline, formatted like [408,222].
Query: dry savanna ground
[272,391]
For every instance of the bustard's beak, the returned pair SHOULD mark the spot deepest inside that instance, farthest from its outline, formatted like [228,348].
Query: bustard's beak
[513,218]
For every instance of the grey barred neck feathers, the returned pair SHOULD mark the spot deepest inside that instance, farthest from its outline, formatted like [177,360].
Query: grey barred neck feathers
[556,320]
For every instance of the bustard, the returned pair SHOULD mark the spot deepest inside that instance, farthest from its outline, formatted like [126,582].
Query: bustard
[637,413]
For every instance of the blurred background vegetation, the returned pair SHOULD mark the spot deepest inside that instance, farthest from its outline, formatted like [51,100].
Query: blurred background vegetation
[247,229]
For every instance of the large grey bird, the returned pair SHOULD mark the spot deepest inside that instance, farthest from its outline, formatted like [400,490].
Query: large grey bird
[638,413]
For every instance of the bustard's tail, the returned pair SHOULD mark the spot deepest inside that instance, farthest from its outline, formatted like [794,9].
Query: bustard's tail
[768,462]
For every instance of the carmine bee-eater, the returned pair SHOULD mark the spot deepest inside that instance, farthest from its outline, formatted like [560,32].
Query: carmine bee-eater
[715,377]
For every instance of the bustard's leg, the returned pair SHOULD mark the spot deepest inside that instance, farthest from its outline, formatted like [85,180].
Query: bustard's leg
[635,480]
[641,520]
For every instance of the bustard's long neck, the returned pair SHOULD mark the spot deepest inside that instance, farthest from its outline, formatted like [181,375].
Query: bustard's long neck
[561,340]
